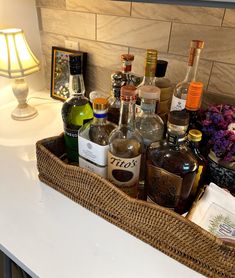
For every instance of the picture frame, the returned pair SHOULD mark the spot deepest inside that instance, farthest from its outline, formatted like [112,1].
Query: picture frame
[60,71]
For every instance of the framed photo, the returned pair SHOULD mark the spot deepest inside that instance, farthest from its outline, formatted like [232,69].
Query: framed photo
[60,71]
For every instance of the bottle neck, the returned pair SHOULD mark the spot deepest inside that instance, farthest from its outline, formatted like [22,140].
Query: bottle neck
[148,106]
[100,118]
[176,134]
[193,62]
[76,84]
[149,73]
[127,113]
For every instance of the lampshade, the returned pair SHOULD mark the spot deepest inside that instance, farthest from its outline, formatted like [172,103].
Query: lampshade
[16,58]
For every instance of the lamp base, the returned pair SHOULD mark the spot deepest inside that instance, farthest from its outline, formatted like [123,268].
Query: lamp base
[24,112]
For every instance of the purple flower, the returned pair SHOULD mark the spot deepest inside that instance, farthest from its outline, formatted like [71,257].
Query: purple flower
[215,121]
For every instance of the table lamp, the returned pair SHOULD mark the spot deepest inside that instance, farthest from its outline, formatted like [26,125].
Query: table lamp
[18,61]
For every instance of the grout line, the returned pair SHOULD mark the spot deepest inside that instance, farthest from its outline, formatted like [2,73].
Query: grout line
[131,8]
[95,27]
[222,21]
[210,76]
[169,39]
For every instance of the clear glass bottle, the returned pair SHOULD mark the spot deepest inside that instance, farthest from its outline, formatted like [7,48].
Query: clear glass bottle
[181,90]
[171,166]
[115,102]
[93,139]
[166,88]
[149,72]
[125,146]
[100,128]
[150,126]
[76,110]
[127,60]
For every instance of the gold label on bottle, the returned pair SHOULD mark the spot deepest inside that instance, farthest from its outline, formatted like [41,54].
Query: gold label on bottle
[124,173]
[164,188]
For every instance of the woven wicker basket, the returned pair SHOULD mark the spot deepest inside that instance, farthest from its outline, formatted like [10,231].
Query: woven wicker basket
[165,230]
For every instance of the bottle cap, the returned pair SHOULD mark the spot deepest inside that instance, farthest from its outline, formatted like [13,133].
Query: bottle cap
[75,64]
[161,68]
[128,91]
[194,135]
[178,118]
[127,57]
[100,104]
[149,92]
[197,44]
[151,55]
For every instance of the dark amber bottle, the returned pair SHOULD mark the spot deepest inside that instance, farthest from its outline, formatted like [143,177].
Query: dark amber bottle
[171,166]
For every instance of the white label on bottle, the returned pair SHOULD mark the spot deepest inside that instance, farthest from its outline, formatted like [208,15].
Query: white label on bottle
[92,151]
[124,172]
[99,170]
[177,103]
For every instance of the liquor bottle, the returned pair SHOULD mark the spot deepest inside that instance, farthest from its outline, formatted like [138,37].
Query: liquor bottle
[93,139]
[181,89]
[114,107]
[194,139]
[150,126]
[166,88]
[76,110]
[171,166]
[193,103]
[149,73]
[125,146]
[127,60]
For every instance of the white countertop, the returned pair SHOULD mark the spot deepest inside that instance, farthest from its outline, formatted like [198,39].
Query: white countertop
[50,236]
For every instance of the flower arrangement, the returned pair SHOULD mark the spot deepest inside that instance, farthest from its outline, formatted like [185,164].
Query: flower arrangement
[218,124]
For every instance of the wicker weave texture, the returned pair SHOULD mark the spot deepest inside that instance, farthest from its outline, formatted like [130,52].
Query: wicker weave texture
[165,230]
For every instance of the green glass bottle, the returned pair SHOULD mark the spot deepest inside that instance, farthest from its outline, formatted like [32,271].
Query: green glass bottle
[76,111]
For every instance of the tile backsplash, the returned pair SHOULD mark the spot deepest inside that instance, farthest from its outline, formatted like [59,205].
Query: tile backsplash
[106,29]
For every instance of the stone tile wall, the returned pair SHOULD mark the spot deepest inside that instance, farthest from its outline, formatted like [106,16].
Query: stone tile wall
[106,29]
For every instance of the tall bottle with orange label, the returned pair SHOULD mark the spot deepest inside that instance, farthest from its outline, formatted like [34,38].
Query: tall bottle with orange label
[180,94]
[125,146]
[193,103]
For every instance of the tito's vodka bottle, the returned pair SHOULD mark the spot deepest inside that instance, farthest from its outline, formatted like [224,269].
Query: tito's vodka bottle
[171,166]
[181,90]
[76,111]
[125,146]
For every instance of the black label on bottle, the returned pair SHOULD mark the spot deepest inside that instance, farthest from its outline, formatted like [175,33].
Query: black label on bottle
[164,188]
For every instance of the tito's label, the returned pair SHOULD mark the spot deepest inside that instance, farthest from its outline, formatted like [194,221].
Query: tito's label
[124,173]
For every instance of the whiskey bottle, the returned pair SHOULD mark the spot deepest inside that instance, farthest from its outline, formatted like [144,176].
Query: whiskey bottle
[181,89]
[76,110]
[93,139]
[125,146]
[171,166]
[115,103]
[149,72]
[150,126]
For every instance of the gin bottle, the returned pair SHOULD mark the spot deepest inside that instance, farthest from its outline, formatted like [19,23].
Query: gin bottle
[93,139]
[76,111]
[171,166]
[125,146]
[181,90]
